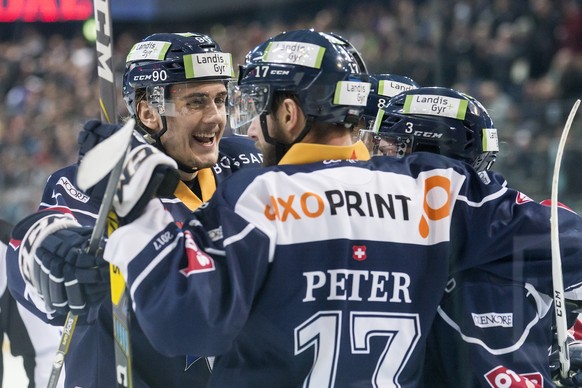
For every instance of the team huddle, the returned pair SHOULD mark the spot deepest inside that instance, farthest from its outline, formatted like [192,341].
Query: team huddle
[349,233]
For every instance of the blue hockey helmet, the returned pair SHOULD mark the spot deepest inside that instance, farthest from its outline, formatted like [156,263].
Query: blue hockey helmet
[169,58]
[438,120]
[384,87]
[352,50]
[320,69]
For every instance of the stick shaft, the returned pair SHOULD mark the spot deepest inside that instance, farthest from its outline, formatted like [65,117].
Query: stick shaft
[557,278]
[108,104]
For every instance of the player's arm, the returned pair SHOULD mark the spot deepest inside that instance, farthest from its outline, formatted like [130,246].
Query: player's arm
[190,291]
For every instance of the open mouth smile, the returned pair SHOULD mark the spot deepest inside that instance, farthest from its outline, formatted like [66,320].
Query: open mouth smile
[206,139]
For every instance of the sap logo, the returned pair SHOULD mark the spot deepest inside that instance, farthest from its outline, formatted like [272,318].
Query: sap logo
[226,163]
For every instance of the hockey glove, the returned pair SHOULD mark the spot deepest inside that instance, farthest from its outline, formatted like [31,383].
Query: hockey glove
[93,133]
[147,173]
[575,375]
[35,228]
[71,279]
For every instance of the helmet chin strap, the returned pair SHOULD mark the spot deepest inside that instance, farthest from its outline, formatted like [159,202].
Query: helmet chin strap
[282,148]
[155,141]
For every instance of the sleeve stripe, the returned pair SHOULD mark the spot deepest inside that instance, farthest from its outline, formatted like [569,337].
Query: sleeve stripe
[488,198]
[239,236]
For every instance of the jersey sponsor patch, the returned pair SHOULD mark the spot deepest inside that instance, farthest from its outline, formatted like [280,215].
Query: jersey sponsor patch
[391,88]
[493,320]
[198,261]
[294,53]
[426,104]
[490,140]
[419,211]
[208,65]
[351,93]
[151,50]
[73,192]
[502,377]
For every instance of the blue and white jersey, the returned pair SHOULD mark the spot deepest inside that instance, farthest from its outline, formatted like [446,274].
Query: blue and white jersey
[491,331]
[328,269]
[90,361]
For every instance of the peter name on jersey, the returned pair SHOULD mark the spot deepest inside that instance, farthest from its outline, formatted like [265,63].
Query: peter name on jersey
[357,285]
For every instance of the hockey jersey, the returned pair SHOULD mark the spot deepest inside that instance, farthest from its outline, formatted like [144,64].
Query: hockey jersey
[490,331]
[327,270]
[90,361]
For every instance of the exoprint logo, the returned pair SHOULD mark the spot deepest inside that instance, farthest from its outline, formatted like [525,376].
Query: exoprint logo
[436,202]
[399,206]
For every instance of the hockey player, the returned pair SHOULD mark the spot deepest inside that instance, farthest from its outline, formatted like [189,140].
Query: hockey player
[326,269]
[489,331]
[29,336]
[175,87]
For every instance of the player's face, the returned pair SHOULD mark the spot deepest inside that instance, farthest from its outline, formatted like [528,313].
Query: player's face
[388,148]
[255,133]
[197,124]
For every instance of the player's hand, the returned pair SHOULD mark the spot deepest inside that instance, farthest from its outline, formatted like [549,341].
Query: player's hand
[147,173]
[93,133]
[574,378]
[69,278]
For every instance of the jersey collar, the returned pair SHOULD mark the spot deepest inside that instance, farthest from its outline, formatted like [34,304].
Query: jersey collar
[303,153]
[207,186]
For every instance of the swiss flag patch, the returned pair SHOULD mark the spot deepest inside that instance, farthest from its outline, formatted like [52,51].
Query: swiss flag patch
[198,261]
[359,252]
[502,377]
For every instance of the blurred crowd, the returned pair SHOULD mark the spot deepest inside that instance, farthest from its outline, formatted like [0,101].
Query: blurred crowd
[521,58]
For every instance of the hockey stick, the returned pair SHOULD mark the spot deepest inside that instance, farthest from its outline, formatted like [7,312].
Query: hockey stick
[107,102]
[119,298]
[89,173]
[557,278]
